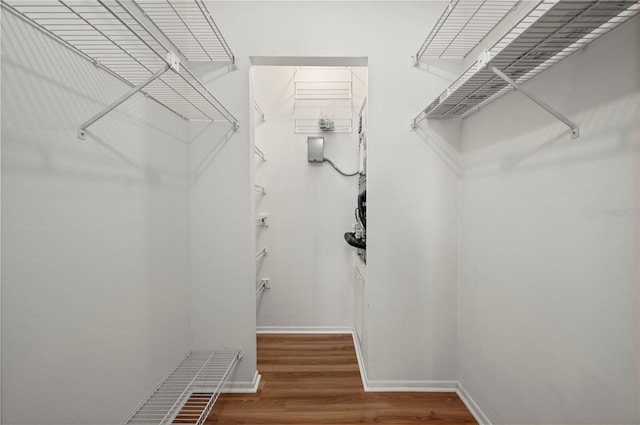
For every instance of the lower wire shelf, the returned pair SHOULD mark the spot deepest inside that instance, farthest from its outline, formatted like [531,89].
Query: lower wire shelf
[188,394]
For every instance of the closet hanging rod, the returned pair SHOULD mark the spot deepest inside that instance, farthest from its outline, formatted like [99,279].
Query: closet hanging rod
[115,40]
[260,153]
[261,189]
[263,252]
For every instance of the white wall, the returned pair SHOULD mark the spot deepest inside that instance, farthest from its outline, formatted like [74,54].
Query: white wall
[94,239]
[412,181]
[310,207]
[0,229]
[222,227]
[96,246]
[548,302]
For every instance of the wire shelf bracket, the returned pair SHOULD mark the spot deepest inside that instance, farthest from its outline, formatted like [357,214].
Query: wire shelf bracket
[188,394]
[259,111]
[82,131]
[261,189]
[260,254]
[108,34]
[575,131]
[260,153]
[264,284]
[552,31]
[261,220]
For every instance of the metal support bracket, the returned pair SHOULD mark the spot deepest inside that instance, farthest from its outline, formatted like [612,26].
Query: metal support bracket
[261,253]
[259,110]
[82,131]
[264,284]
[259,152]
[174,61]
[418,119]
[575,130]
[262,220]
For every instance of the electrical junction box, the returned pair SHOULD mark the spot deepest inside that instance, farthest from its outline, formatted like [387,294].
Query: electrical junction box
[315,152]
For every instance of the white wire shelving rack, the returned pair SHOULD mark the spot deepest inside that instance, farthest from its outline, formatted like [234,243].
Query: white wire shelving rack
[462,26]
[190,28]
[188,394]
[323,99]
[553,30]
[109,34]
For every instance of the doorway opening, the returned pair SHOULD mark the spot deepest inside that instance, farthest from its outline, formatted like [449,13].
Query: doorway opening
[309,137]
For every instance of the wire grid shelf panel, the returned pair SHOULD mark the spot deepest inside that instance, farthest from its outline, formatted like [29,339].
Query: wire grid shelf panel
[106,33]
[323,99]
[312,126]
[188,394]
[323,90]
[190,27]
[462,26]
[553,31]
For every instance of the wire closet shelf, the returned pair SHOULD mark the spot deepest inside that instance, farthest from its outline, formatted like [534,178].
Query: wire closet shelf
[553,30]
[188,394]
[114,38]
[462,26]
[190,28]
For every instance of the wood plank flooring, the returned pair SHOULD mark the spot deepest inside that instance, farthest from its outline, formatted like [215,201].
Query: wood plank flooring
[314,379]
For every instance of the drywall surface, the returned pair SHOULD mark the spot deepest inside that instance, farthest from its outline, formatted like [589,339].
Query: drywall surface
[309,206]
[222,227]
[94,239]
[412,180]
[0,232]
[548,298]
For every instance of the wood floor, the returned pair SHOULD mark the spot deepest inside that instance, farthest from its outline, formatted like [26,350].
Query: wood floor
[314,379]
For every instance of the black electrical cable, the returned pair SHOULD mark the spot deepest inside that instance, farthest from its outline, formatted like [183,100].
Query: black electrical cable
[339,170]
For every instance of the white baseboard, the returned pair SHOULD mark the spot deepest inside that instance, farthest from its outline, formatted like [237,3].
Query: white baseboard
[385,385]
[473,407]
[412,386]
[360,357]
[244,386]
[398,386]
[304,330]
